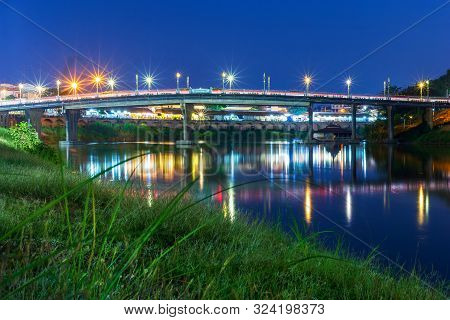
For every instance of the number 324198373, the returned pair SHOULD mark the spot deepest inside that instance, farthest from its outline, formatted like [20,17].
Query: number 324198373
[306,308]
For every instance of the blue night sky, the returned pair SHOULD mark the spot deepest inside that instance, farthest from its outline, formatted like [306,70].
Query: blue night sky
[285,39]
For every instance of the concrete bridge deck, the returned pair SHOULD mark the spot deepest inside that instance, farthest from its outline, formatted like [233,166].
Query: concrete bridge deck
[186,99]
[217,97]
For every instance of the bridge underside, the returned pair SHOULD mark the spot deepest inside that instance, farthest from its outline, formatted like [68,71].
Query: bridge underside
[187,102]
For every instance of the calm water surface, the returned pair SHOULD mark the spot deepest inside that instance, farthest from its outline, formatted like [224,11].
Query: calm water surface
[396,198]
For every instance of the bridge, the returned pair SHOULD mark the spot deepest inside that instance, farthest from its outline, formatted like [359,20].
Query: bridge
[187,98]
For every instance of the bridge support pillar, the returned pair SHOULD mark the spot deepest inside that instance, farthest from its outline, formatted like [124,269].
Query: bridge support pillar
[390,124]
[4,119]
[186,110]
[354,134]
[33,117]
[72,117]
[353,165]
[427,117]
[310,137]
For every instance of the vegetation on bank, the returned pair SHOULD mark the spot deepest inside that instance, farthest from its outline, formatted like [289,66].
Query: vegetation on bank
[420,135]
[130,132]
[67,236]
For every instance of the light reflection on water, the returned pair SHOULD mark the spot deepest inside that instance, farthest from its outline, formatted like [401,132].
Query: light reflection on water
[396,198]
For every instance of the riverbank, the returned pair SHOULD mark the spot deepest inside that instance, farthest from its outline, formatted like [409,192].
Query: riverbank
[420,135]
[131,132]
[80,238]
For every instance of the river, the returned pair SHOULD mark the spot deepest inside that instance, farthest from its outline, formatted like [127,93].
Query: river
[396,199]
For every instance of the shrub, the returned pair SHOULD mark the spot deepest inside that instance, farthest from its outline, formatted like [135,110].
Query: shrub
[24,137]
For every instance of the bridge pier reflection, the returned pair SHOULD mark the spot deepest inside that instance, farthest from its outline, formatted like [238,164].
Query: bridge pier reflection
[310,160]
[390,124]
[353,160]
[354,134]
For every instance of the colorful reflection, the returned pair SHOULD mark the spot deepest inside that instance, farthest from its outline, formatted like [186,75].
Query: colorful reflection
[387,196]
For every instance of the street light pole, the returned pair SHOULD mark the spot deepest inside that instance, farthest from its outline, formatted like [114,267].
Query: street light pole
[97,83]
[137,83]
[264,82]
[230,79]
[112,83]
[58,85]
[149,81]
[268,84]
[187,82]
[74,87]
[224,75]
[348,82]
[20,90]
[178,76]
[389,87]
[307,81]
[421,85]
[428,89]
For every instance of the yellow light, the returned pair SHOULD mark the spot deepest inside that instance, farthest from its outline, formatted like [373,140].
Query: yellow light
[178,75]
[74,85]
[307,80]
[97,80]
[421,84]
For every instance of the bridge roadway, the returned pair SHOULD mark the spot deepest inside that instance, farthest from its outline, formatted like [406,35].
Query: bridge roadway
[215,96]
[187,99]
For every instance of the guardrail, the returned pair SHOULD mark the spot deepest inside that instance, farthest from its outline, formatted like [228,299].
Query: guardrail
[186,92]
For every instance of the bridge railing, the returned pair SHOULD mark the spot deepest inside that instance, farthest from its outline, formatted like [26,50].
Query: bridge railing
[129,93]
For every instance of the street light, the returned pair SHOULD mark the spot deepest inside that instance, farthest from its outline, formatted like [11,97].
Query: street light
[178,76]
[39,90]
[421,84]
[58,85]
[224,76]
[264,82]
[348,82]
[230,79]
[149,81]
[74,87]
[307,81]
[20,90]
[98,80]
[111,83]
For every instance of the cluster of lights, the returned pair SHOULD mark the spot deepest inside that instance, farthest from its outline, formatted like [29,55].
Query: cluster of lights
[99,80]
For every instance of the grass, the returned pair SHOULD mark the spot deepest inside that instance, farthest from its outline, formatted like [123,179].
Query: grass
[67,236]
